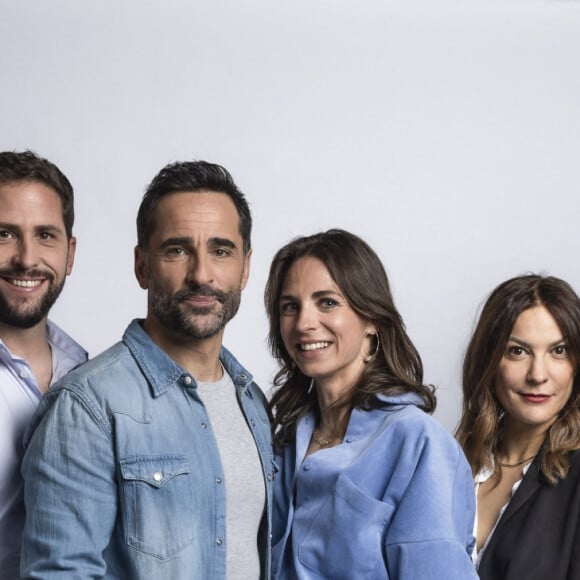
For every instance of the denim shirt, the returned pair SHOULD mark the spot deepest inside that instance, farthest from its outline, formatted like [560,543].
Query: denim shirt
[122,471]
[394,500]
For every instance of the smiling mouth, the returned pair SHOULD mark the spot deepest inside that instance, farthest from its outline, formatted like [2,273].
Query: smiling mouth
[27,279]
[25,283]
[314,346]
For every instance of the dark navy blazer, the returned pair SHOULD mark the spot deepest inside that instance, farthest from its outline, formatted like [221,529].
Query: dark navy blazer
[538,535]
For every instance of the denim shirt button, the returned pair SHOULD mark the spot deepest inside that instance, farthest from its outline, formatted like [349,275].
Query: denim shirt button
[269,477]
[218,479]
[219,542]
[158,476]
[204,425]
[252,422]
[307,467]
[243,376]
[187,380]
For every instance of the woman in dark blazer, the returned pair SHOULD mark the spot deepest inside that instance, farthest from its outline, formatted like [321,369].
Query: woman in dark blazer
[520,430]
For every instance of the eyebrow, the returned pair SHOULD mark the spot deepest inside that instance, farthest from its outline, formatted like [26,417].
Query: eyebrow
[317,294]
[528,345]
[37,228]
[49,228]
[175,242]
[222,242]
[187,241]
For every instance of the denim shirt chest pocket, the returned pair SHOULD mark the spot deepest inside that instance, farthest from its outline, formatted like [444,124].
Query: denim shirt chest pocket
[153,492]
[347,512]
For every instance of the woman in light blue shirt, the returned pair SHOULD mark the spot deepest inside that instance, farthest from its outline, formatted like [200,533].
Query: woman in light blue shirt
[369,484]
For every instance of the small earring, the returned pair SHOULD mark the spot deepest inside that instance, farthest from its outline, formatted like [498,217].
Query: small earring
[371,356]
[310,387]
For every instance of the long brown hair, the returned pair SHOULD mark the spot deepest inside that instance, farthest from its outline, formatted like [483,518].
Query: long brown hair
[361,277]
[480,429]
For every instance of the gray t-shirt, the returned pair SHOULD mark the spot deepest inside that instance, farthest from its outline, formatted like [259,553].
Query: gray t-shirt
[243,477]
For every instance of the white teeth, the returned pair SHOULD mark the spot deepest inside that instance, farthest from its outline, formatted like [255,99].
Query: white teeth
[26,283]
[314,345]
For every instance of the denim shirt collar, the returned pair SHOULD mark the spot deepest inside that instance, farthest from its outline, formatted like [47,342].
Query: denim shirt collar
[360,426]
[162,372]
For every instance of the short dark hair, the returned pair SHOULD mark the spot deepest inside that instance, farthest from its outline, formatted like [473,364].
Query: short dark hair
[27,166]
[191,176]
[480,428]
[360,275]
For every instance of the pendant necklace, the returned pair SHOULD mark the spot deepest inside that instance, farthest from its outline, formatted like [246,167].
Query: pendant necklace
[324,442]
[518,463]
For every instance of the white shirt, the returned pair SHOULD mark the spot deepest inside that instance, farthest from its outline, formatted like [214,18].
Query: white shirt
[480,478]
[19,396]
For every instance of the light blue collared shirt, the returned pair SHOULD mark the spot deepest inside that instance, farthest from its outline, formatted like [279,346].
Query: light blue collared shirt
[19,396]
[393,501]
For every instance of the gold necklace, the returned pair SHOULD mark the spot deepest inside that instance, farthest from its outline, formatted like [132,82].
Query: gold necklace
[324,442]
[518,463]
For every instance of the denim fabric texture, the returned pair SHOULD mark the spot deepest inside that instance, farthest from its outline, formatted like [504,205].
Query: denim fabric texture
[394,500]
[123,477]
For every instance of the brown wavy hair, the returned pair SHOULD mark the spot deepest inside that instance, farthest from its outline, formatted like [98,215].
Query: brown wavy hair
[480,429]
[358,272]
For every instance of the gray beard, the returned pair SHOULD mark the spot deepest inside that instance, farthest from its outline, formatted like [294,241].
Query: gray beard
[180,317]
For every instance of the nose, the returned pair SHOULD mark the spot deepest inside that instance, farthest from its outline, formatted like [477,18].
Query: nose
[538,372]
[306,319]
[26,255]
[199,271]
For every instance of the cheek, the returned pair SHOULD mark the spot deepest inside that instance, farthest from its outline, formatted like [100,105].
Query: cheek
[285,328]
[506,378]
[60,263]
[166,275]
[566,379]
[510,375]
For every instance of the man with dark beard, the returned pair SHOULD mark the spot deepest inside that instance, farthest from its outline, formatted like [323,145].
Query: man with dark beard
[153,461]
[36,254]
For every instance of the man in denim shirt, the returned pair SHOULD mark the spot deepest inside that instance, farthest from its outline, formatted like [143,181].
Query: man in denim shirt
[154,460]
[36,255]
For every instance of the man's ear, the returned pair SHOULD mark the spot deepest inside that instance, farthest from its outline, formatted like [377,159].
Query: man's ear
[246,270]
[70,259]
[141,267]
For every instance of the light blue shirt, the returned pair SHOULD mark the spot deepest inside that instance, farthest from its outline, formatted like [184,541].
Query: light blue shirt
[123,477]
[393,501]
[19,396]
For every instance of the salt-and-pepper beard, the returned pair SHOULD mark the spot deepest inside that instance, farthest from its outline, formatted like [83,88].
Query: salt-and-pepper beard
[182,317]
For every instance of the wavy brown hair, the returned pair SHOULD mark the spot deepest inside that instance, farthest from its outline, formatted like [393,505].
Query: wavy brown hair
[480,429]
[358,272]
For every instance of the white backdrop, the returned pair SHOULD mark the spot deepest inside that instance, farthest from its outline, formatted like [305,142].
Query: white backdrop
[446,133]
